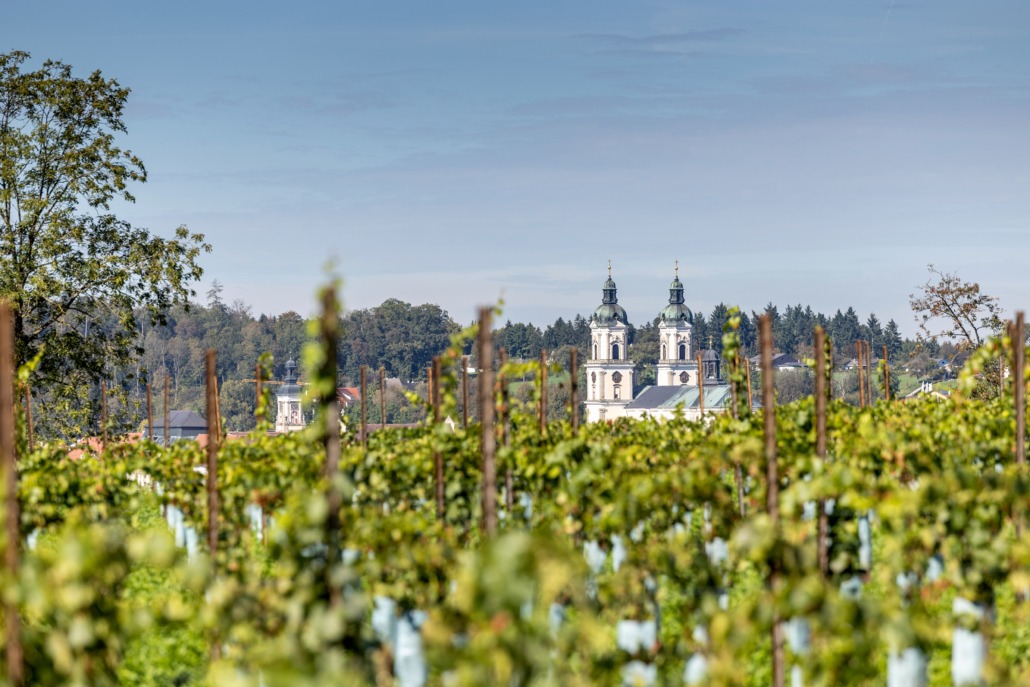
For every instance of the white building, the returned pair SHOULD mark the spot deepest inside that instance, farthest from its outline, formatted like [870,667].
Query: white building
[676,364]
[679,386]
[288,414]
[609,369]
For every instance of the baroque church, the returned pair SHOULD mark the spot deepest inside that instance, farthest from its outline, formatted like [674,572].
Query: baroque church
[688,380]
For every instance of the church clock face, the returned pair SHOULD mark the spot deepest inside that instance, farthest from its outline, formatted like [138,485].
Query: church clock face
[684,377]
[617,377]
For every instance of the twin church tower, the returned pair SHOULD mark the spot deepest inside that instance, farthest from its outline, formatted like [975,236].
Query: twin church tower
[609,369]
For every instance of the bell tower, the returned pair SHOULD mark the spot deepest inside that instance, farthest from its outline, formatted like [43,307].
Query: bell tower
[288,415]
[609,369]
[676,365]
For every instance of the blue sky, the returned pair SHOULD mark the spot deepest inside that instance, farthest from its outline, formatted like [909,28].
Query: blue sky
[459,152]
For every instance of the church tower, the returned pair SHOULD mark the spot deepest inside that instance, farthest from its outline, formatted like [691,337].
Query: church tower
[609,369]
[288,416]
[676,364]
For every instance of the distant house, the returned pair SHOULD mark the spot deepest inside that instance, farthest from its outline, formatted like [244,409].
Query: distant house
[853,364]
[926,389]
[780,362]
[95,445]
[347,395]
[956,363]
[182,424]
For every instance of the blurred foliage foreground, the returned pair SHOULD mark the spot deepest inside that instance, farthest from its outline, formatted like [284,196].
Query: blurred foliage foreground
[624,556]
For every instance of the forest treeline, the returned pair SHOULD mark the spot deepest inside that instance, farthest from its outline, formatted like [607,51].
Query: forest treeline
[403,338]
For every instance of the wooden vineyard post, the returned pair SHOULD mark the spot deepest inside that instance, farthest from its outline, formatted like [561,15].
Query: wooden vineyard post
[861,389]
[28,416]
[543,393]
[150,413]
[438,473]
[860,350]
[867,351]
[1001,363]
[574,388]
[211,384]
[750,400]
[218,408]
[464,392]
[257,388]
[1019,387]
[502,384]
[382,397]
[830,372]
[364,406]
[772,493]
[330,334]
[212,455]
[168,412]
[486,419]
[738,471]
[700,387]
[12,555]
[886,376]
[429,385]
[867,373]
[434,392]
[820,443]
[735,408]
[103,415]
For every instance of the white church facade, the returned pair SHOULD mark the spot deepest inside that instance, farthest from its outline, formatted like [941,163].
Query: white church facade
[682,385]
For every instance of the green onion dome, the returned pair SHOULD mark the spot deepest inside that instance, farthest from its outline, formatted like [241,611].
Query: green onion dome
[676,311]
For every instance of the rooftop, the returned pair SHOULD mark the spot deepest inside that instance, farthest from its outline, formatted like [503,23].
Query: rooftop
[669,397]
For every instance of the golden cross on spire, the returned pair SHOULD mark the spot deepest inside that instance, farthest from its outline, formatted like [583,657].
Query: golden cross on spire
[677,268]
[710,342]
[609,267]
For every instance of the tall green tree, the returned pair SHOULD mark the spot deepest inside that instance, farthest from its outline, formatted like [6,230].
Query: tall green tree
[715,322]
[748,335]
[845,330]
[701,332]
[892,338]
[522,341]
[872,332]
[77,275]
[400,337]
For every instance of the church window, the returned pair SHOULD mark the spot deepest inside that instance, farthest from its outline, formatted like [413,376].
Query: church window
[615,351]
[663,352]
[593,377]
[595,351]
[684,377]
[683,351]
[617,377]
[615,391]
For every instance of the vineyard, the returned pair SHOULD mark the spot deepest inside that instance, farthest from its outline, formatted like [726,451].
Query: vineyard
[816,542]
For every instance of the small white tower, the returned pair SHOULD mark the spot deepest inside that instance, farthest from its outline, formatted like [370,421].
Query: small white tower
[676,365]
[609,369]
[288,416]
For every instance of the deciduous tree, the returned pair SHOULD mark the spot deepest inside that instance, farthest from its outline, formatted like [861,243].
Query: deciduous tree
[949,307]
[77,275]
